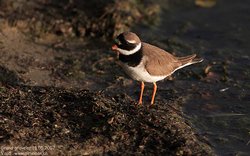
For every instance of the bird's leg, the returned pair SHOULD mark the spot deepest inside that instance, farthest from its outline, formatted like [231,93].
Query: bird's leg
[142,89]
[154,92]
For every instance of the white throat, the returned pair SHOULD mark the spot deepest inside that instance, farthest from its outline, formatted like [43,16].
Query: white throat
[129,52]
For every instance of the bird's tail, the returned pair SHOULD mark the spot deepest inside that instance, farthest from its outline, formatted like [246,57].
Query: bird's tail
[188,60]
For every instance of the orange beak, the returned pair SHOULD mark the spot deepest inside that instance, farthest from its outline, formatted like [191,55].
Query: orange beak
[114,47]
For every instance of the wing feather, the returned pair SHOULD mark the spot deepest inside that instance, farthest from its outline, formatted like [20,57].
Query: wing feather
[159,62]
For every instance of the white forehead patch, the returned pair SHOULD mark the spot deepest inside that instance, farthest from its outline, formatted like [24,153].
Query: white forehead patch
[131,41]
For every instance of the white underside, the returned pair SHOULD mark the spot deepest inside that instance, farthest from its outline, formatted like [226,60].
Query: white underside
[139,72]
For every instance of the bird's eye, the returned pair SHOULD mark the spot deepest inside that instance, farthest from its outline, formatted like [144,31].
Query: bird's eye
[118,42]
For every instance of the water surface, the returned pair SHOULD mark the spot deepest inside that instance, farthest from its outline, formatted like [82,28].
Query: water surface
[218,104]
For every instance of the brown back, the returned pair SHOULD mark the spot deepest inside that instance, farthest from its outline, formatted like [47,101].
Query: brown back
[158,62]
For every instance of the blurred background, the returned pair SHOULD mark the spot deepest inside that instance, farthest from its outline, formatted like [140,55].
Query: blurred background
[66,43]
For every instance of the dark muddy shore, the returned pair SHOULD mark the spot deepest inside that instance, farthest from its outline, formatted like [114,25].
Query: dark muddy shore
[61,91]
[87,123]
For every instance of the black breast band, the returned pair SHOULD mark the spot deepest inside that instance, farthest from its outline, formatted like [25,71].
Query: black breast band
[133,59]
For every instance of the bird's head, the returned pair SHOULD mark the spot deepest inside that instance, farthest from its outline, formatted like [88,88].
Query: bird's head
[127,43]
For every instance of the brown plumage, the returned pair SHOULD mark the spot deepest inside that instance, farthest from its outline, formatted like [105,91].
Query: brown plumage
[131,36]
[158,62]
[187,59]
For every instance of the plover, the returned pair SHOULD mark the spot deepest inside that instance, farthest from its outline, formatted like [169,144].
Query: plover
[147,63]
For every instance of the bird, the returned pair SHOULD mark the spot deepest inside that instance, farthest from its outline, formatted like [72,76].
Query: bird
[147,63]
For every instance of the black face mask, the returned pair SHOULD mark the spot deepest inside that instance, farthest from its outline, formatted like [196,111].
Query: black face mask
[123,44]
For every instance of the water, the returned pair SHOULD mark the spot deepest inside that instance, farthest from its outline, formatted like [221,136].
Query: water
[218,104]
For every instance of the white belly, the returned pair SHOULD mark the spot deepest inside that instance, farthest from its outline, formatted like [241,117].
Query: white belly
[139,73]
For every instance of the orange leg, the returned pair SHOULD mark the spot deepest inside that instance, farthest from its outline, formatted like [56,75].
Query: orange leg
[142,89]
[153,96]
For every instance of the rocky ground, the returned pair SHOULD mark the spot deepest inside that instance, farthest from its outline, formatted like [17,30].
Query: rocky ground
[61,91]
